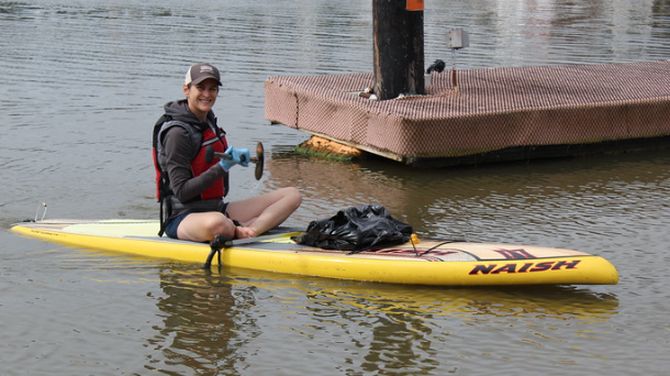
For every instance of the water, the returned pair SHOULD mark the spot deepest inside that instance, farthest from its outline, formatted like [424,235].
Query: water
[83,81]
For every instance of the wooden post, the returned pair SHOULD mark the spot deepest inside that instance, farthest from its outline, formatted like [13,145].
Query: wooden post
[397,30]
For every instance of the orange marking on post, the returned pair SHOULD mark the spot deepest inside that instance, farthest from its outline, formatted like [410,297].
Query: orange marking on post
[414,5]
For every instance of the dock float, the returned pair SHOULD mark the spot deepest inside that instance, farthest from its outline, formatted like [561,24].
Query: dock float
[495,114]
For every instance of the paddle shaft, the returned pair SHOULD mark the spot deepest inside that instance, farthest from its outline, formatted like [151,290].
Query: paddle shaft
[259,159]
[229,157]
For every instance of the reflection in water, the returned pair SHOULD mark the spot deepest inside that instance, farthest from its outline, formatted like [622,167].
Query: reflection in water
[205,322]
[523,202]
[210,321]
[412,327]
[466,303]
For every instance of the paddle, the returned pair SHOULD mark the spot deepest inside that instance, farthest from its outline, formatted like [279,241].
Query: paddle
[258,160]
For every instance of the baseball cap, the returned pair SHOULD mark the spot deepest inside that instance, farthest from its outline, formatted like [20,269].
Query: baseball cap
[199,72]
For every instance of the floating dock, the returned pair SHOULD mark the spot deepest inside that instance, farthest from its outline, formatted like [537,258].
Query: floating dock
[494,114]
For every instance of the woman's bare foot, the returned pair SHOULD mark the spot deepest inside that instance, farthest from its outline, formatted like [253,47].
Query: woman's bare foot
[242,232]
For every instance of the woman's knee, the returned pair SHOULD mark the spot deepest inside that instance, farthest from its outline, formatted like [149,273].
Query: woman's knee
[219,224]
[293,196]
[205,226]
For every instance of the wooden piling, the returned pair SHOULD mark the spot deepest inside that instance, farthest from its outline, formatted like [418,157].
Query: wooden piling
[398,48]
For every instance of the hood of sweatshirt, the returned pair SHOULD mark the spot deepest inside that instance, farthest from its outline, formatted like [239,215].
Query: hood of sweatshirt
[178,110]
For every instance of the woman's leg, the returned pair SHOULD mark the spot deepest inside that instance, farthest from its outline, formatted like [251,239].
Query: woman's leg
[203,227]
[261,213]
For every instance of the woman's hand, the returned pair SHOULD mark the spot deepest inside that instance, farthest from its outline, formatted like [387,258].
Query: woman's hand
[239,156]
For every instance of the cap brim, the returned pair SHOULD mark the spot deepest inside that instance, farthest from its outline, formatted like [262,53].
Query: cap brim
[205,78]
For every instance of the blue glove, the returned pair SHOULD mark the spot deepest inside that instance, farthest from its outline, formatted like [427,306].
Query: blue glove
[239,156]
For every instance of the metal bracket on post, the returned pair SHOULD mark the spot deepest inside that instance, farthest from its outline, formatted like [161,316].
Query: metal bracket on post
[457,39]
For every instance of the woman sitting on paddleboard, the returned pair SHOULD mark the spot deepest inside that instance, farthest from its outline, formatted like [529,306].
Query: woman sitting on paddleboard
[191,184]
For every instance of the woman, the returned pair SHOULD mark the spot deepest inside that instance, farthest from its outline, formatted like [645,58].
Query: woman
[191,187]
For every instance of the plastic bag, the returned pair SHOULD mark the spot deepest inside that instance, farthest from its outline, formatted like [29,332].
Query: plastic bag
[356,229]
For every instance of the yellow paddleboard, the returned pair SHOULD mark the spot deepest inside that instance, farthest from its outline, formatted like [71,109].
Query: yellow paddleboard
[430,262]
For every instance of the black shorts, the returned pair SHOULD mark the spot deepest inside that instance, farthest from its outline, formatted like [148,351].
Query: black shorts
[173,223]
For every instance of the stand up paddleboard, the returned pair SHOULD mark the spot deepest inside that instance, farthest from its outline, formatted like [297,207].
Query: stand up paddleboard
[430,262]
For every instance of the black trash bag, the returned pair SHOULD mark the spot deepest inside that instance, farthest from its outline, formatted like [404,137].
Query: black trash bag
[356,229]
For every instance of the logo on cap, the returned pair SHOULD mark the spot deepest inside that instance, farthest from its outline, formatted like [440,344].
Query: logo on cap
[206,69]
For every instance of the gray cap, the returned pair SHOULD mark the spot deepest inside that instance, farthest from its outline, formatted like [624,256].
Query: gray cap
[200,72]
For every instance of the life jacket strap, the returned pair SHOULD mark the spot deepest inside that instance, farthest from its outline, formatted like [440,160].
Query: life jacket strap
[165,213]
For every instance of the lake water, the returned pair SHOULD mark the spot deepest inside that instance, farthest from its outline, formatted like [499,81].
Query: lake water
[83,82]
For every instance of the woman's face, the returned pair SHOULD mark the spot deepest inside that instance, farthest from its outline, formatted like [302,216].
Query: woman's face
[201,97]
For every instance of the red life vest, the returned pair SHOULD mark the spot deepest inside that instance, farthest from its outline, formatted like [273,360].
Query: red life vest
[199,164]
[208,139]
